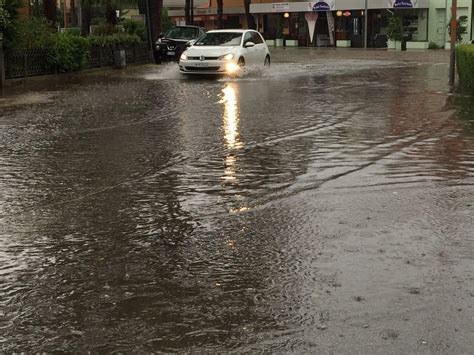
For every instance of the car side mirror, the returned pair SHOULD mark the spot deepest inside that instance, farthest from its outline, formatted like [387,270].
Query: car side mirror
[161,35]
[190,43]
[249,45]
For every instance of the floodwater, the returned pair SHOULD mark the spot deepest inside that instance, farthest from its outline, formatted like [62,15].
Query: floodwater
[323,205]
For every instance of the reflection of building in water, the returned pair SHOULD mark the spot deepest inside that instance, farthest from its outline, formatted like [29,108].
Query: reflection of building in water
[431,143]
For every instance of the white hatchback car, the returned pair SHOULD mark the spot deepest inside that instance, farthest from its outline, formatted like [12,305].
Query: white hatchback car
[225,52]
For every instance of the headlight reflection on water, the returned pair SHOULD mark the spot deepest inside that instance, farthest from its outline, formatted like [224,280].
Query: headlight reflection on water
[231,116]
[231,131]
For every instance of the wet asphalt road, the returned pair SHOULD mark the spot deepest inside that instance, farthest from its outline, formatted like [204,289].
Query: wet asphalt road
[325,205]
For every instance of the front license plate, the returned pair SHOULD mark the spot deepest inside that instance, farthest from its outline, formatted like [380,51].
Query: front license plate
[201,64]
[170,53]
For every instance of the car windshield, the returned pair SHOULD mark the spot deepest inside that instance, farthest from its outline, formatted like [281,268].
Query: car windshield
[220,39]
[182,33]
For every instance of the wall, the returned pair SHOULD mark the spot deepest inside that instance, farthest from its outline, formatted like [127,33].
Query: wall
[439,18]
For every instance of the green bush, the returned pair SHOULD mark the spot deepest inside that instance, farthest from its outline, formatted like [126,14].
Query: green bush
[133,27]
[29,33]
[465,63]
[69,52]
[116,40]
[434,45]
[105,29]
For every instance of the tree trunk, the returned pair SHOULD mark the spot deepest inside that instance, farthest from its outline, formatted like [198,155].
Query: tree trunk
[155,18]
[86,17]
[220,8]
[110,14]
[49,9]
[187,12]
[250,19]
[72,11]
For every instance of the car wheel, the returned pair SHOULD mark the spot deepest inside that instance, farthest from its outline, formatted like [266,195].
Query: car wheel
[241,62]
[267,61]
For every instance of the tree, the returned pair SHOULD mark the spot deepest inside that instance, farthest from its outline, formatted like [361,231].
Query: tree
[166,23]
[4,16]
[461,28]
[220,10]
[394,29]
[86,18]
[156,7]
[72,5]
[110,12]
[248,15]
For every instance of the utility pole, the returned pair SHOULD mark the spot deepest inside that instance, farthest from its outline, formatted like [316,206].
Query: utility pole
[365,24]
[452,61]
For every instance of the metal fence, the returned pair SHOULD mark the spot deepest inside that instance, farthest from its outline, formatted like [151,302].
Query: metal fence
[31,62]
[27,63]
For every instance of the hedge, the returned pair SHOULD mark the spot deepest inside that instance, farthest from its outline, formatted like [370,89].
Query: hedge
[117,40]
[70,52]
[465,63]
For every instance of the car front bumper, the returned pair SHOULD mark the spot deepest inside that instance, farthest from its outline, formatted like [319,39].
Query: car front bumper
[166,52]
[214,67]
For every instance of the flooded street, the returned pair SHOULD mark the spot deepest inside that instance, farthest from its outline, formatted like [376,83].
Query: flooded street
[326,205]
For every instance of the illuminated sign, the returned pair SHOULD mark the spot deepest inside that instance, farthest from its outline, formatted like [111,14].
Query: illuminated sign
[324,5]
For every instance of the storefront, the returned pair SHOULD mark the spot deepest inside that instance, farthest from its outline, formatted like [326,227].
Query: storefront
[340,22]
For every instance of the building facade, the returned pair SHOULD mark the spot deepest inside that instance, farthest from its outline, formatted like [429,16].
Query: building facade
[341,22]
[338,22]
[205,14]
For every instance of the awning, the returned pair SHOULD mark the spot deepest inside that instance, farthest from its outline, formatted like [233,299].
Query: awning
[335,5]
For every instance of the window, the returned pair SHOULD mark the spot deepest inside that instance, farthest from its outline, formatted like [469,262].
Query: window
[256,38]
[247,38]
[182,33]
[220,39]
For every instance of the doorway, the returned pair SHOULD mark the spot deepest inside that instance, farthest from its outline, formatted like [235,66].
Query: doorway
[321,31]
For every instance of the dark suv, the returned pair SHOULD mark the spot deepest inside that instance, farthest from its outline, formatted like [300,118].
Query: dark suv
[170,45]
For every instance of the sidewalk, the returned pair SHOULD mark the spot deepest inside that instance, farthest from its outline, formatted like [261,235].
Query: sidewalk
[287,54]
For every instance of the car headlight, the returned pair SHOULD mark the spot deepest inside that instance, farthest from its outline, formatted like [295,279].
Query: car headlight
[158,41]
[184,56]
[226,57]
[231,68]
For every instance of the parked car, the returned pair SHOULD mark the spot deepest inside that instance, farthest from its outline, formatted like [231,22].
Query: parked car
[171,44]
[225,52]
